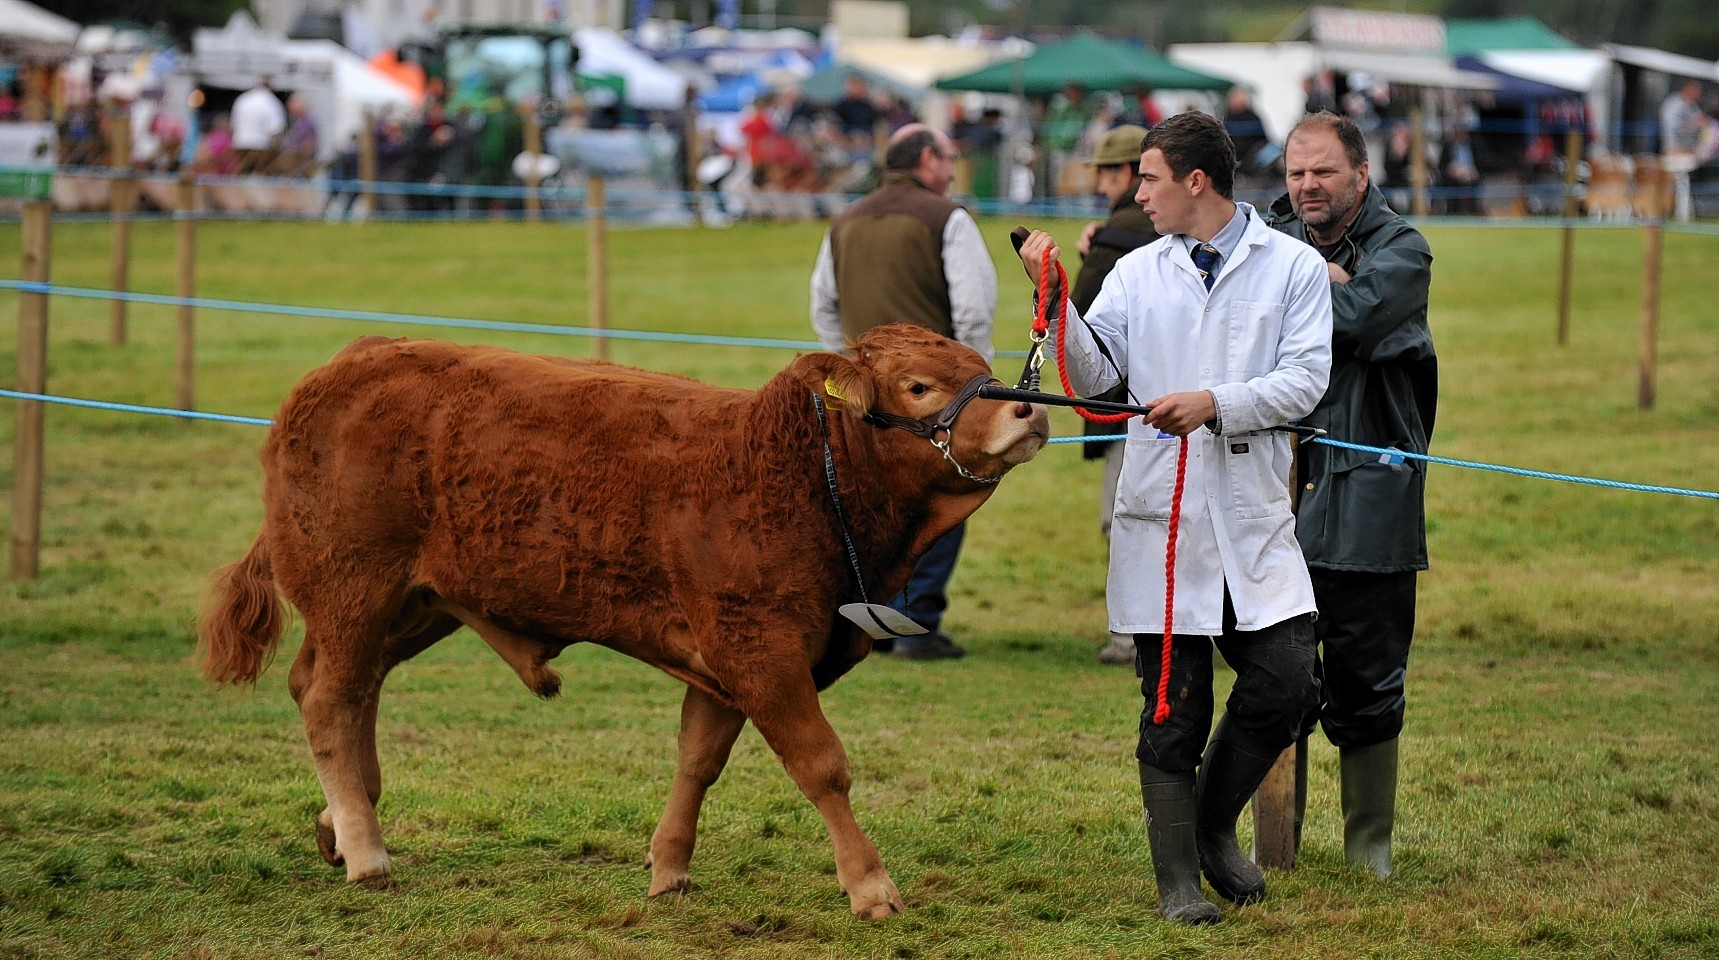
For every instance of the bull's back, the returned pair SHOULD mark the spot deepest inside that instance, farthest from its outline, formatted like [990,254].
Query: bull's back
[459,458]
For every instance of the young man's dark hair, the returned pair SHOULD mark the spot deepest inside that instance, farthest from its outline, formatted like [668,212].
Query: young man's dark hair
[1348,134]
[1193,141]
[904,156]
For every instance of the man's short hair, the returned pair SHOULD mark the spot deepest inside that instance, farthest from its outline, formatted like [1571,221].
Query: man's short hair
[1194,141]
[1348,134]
[903,155]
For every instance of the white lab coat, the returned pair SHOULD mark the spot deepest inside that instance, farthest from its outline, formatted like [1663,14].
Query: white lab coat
[1260,341]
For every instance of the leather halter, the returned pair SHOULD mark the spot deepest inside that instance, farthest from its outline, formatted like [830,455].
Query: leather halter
[943,422]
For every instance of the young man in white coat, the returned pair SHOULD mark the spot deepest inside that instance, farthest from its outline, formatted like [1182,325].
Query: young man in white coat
[1223,328]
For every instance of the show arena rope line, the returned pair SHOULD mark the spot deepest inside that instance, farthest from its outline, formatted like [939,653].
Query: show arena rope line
[1041,326]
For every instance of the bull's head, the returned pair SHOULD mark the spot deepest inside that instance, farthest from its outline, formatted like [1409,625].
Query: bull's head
[906,377]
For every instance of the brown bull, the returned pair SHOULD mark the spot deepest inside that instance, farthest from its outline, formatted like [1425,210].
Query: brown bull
[411,487]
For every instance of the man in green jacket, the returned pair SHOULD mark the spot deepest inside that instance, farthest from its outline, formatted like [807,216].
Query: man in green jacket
[1361,518]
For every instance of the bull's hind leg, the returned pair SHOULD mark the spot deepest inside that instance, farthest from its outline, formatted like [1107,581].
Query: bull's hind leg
[337,681]
[707,733]
[787,713]
[413,629]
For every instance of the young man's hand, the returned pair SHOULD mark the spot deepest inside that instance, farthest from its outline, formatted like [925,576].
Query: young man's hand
[1033,251]
[1182,413]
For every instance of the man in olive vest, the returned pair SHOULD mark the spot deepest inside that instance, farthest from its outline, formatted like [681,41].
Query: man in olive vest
[907,254]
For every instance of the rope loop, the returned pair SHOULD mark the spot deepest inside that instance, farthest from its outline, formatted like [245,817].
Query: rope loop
[1041,326]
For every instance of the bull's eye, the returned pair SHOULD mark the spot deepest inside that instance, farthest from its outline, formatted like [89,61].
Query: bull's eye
[919,389]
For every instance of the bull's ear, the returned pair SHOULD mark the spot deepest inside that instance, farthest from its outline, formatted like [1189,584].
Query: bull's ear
[849,386]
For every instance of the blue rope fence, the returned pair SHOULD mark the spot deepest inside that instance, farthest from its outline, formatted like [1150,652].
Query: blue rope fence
[1471,464]
[418,319]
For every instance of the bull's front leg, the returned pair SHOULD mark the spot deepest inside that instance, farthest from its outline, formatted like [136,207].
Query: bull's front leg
[793,723]
[707,733]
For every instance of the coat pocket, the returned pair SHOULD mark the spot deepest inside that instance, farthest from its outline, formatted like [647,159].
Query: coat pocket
[1258,473]
[1148,479]
[1255,328]
[1374,518]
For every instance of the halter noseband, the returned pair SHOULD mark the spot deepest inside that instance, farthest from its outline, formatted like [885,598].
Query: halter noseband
[943,423]
[929,428]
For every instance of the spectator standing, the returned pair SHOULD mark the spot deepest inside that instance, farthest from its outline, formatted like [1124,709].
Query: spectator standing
[1246,131]
[298,153]
[1680,127]
[1064,122]
[1101,245]
[258,120]
[1320,91]
[854,111]
[1139,110]
[1461,175]
[906,254]
[1223,327]
[1361,518]
[1680,120]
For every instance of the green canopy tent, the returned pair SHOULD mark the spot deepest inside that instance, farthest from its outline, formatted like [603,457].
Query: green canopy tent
[1093,62]
[1473,37]
[825,86]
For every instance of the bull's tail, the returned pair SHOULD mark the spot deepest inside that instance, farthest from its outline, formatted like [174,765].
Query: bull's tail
[243,619]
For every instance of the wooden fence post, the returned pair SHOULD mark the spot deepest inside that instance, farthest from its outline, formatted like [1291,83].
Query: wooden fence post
[367,163]
[185,285]
[1655,242]
[1276,806]
[1572,159]
[38,226]
[693,144]
[120,191]
[597,259]
[1277,802]
[534,149]
[1417,162]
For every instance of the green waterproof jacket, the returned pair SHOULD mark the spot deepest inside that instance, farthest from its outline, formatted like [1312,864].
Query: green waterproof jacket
[1366,512]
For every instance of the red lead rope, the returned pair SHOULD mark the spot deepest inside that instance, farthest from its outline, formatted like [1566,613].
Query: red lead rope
[1041,325]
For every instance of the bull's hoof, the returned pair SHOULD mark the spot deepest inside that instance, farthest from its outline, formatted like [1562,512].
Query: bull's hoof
[545,682]
[325,843]
[880,910]
[377,875]
[878,900]
[670,883]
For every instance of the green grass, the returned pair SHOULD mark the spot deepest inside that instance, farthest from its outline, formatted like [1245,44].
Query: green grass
[1558,783]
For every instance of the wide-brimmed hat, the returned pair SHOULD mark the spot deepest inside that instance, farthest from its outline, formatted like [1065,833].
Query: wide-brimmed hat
[1121,145]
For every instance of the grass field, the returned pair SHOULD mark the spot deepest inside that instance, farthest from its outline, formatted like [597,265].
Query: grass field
[1559,780]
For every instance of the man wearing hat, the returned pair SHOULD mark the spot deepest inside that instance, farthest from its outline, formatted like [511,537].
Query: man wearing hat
[1101,245]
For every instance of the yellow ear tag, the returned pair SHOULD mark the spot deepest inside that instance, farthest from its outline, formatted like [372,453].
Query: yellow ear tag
[831,389]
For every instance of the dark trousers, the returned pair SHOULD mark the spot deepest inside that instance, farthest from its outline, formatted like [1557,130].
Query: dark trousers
[1276,688]
[1366,621]
[927,593]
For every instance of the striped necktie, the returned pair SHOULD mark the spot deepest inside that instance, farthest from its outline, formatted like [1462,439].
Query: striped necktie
[1206,260]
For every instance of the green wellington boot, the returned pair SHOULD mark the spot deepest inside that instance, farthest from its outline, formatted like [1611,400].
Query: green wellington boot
[1170,811]
[1234,766]
[1369,804]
